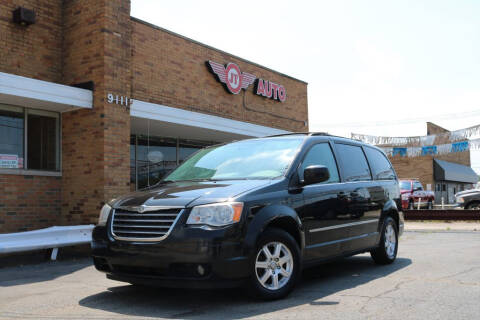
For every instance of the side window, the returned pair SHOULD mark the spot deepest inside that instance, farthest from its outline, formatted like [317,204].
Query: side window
[321,154]
[354,163]
[381,167]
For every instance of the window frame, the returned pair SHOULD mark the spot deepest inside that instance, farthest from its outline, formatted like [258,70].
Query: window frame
[58,140]
[395,178]
[342,170]
[307,151]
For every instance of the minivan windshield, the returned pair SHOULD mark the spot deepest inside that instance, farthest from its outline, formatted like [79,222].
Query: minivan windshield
[248,159]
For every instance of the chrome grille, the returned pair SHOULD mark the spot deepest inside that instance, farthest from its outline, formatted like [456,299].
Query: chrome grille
[151,225]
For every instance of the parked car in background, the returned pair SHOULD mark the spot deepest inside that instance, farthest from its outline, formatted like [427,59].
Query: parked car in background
[254,213]
[469,199]
[413,192]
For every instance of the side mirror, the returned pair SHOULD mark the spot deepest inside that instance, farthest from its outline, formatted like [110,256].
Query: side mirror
[315,174]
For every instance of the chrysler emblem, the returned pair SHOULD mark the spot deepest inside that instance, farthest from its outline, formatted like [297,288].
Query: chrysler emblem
[141,208]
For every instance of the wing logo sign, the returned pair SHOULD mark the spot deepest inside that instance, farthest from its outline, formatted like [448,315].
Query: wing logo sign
[235,80]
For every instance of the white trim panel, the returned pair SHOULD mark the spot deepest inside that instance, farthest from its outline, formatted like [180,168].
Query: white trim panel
[344,225]
[163,113]
[13,86]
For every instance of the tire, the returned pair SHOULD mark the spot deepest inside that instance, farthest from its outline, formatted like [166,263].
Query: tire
[282,247]
[430,205]
[473,205]
[385,253]
[410,205]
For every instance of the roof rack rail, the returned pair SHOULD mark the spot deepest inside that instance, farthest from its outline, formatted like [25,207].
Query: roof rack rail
[287,134]
[326,134]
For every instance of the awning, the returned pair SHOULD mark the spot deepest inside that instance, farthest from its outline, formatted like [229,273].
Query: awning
[33,93]
[449,171]
[177,122]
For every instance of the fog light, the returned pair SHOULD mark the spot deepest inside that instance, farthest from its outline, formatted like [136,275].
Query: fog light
[201,270]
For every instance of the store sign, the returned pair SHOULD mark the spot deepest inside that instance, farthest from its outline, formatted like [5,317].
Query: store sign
[270,90]
[9,161]
[120,100]
[235,81]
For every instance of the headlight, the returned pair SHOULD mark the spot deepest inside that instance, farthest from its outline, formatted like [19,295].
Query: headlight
[404,196]
[103,217]
[460,200]
[217,214]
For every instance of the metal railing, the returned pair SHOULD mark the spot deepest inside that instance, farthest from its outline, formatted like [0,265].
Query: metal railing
[48,238]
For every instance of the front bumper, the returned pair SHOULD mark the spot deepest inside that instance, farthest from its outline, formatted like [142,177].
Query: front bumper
[188,257]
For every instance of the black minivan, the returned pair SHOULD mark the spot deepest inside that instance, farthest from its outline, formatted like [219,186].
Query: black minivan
[254,213]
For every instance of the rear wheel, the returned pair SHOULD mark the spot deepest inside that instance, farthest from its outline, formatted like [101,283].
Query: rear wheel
[386,252]
[276,265]
[473,205]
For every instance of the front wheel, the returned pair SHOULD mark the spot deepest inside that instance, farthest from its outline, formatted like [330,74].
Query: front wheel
[410,205]
[430,205]
[276,265]
[388,247]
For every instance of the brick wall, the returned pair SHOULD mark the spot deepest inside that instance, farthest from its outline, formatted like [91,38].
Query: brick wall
[95,145]
[33,51]
[171,70]
[29,202]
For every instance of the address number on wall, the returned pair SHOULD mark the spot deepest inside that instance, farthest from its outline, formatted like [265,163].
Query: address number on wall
[120,100]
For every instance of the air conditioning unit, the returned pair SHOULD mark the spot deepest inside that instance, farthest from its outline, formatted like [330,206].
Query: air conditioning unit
[23,16]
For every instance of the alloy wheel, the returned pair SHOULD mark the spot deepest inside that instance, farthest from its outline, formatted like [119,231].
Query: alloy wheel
[390,241]
[274,265]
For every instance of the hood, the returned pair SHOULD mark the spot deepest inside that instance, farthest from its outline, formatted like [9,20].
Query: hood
[182,194]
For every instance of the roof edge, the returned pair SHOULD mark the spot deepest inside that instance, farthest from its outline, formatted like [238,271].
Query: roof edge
[213,48]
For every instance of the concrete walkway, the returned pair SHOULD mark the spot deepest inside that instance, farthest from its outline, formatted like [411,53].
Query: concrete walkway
[442,226]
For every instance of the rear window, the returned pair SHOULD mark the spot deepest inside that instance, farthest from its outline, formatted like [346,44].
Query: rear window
[381,167]
[354,163]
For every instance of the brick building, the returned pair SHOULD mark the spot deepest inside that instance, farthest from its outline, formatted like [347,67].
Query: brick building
[95,103]
[446,174]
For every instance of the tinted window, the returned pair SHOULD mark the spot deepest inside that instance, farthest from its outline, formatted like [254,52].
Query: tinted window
[354,163]
[381,167]
[321,154]
[43,150]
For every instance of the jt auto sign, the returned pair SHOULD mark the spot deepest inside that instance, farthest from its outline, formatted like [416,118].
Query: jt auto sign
[235,80]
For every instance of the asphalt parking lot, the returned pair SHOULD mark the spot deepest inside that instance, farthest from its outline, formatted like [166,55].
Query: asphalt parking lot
[436,276]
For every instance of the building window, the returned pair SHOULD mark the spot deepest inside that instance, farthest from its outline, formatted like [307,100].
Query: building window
[41,148]
[11,137]
[152,157]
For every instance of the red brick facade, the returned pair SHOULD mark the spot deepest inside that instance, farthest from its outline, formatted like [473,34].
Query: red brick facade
[36,51]
[169,69]
[28,202]
[76,41]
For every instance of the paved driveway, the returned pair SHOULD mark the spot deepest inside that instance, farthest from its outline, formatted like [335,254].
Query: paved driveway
[436,276]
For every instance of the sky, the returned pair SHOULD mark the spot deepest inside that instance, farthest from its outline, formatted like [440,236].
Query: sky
[377,67]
